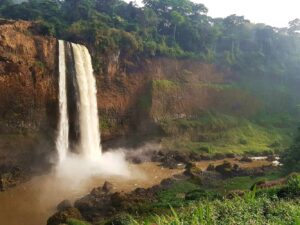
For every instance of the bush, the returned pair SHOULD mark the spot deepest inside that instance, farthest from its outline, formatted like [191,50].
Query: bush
[77,222]
[121,219]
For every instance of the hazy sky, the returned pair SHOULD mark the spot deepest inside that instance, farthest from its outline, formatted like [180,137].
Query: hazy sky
[272,12]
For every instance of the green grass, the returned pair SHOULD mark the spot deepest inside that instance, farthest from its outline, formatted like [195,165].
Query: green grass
[224,134]
[245,183]
[175,195]
[261,211]
[76,222]
[166,86]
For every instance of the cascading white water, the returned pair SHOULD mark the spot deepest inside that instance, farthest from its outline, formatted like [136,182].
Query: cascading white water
[88,111]
[62,142]
[75,69]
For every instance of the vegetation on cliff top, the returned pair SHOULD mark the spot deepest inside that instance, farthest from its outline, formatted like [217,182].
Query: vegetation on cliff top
[264,60]
[174,28]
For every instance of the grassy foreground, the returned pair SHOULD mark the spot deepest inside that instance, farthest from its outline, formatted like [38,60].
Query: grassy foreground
[279,205]
[247,210]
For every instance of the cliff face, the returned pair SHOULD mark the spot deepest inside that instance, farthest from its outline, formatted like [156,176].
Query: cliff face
[131,99]
[28,92]
[138,98]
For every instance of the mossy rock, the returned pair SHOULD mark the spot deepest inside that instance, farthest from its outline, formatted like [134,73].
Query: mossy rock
[120,219]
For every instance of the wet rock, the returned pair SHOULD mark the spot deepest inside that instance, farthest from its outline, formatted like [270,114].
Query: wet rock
[174,159]
[224,168]
[96,191]
[192,170]
[228,169]
[181,176]
[246,159]
[117,199]
[121,219]
[219,156]
[136,160]
[6,181]
[167,182]
[62,216]
[211,167]
[271,158]
[209,178]
[157,156]
[65,204]
[10,176]
[140,191]
[107,187]
[194,157]
[205,157]
[230,155]
[181,157]
[170,163]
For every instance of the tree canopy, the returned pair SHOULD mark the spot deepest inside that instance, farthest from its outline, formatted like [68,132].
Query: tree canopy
[173,28]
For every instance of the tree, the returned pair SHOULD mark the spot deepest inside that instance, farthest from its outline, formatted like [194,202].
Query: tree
[177,19]
[291,157]
[294,26]
[80,9]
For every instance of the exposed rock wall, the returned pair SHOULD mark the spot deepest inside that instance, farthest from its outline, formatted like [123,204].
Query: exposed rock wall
[132,97]
[28,92]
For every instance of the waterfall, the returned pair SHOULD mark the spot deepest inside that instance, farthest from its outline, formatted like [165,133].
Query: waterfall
[62,142]
[88,111]
[89,146]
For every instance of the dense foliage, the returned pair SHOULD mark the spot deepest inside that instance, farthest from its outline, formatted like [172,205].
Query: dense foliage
[291,157]
[177,28]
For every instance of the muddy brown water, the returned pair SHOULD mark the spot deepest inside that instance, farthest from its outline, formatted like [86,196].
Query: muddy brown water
[33,202]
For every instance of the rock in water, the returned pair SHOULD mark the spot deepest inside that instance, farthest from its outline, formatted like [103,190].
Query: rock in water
[65,204]
[107,187]
[62,216]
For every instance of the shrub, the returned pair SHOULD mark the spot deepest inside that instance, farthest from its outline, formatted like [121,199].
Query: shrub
[77,222]
[121,219]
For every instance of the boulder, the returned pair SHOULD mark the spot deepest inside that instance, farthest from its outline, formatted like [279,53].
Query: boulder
[117,199]
[107,187]
[62,216]
[230,155]
[192,170]
[167,182]
[195,157]
[227,169]
[219,156]
[65,204]
[211,167]
[121,219]
[271,158]
[246,159]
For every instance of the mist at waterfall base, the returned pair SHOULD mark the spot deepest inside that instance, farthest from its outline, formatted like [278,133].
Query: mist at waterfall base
[89,161]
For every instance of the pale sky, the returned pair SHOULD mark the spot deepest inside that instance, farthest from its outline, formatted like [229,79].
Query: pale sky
[272,12]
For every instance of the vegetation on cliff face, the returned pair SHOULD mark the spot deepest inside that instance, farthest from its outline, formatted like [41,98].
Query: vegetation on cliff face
[264,60]
[219,133]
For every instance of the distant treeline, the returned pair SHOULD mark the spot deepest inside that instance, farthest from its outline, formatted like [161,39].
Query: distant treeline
[173,28]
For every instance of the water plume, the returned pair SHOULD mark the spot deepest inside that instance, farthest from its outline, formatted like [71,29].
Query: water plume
[88,160]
